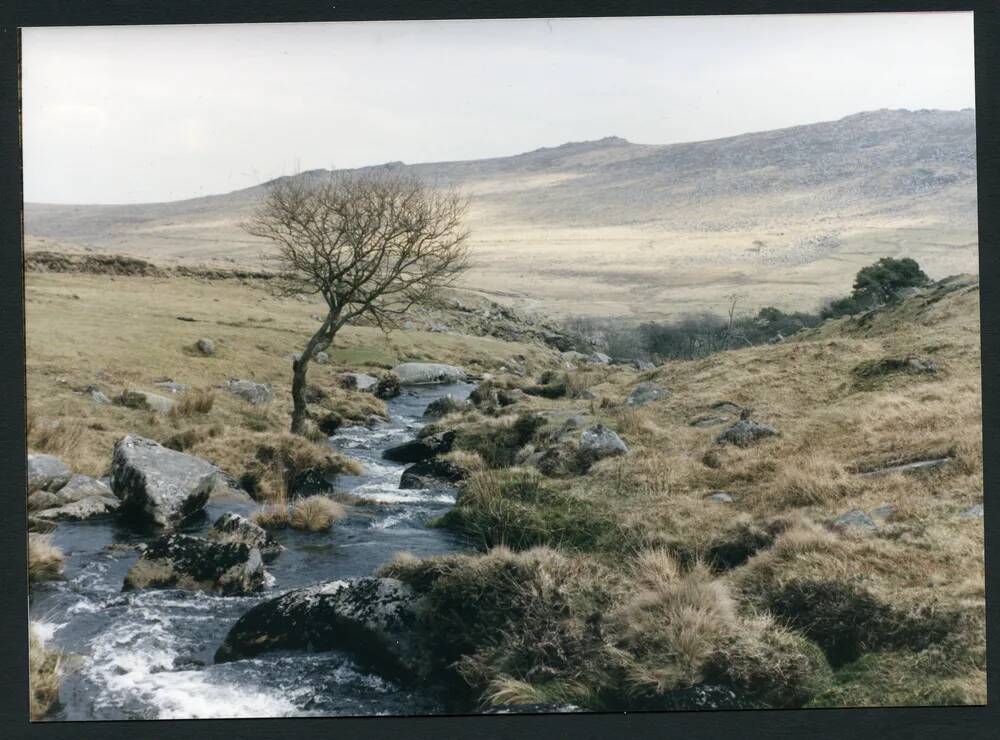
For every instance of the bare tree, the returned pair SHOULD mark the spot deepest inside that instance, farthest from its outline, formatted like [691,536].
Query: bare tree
[372,245]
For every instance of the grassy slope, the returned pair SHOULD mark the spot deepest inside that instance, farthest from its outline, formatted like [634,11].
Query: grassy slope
[908,600]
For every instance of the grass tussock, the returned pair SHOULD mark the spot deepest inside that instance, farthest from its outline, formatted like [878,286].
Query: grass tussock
[195,402]
[45,560]
[315,514]
[45,668]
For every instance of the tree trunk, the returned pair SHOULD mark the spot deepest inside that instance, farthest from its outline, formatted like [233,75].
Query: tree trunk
[321,339]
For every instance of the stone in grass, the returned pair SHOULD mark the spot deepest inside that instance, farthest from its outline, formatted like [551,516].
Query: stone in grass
[646,393]
[745,432]
[145,401]
[184,561]
[257,394]
[598,443]
[205,346]
[47,473]
[719,497]
[854,520]
[444,406]
[973,512]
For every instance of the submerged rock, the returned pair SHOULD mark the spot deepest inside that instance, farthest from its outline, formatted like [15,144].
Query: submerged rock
[646,393]
[231,527]
[258,394]
[422,373]
[47,473]
[374,618]
[432,474]
[159,485]
[184,561]
[421,449]
[745,432]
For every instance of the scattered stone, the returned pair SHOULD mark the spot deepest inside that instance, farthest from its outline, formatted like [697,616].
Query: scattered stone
[598,358]
[432,473]
[855,520]
[920,466]
[373,618]
[424,373]
[646,393]
[387,386]
[159,485]
[910,365]
[973,512]
[321,358]
[81,498]
[99,398]
[206,346]
[720,497]
[258,394]
[598,443]
[47,473]
[421,449]
[642,365]
[184,561]
[143,400]
[444,406]
[172,386]
[708,421]
[745,432]
[572,357]
[884,512]
[232,527]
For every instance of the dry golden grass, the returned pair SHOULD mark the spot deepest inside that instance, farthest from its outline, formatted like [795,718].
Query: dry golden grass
[45,560]
[315,513]
[44,676]
[198,401]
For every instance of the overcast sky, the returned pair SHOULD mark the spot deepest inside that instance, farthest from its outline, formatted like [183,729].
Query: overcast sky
[136,114]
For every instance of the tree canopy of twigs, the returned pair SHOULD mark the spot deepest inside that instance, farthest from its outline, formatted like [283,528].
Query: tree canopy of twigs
[371,244]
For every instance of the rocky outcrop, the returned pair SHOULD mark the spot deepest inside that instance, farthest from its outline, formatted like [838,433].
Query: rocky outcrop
[258,394]
[231,527]
[47,473]
[646,393]
[158,485]
[146,401]
[81,498]
[433,473]
[421,449]
[444,406]
[373,618]
[425,373]
[183,561]
[598,443]
[745,432]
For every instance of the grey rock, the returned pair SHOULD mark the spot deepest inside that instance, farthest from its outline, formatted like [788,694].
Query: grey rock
[855,520]
[421,449]
[258,394]
[708,421]
[357,381]
[424,373]
[184,561]
[321,358]
[719,497]
[99,398]
[646,393]
[145,401]
[444,406]
[572,357]
[598,358]
[921,466]
[598,443]
[47,473]
[431,474]
[172,386]
[232,527]
[373,618]
[158,485]
[81,498]
[745,432]
[973,512]
[206,346]
[884,512]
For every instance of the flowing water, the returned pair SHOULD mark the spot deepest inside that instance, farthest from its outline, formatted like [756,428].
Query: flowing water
[148,654]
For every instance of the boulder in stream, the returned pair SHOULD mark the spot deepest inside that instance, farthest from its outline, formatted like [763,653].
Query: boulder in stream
[184,561]
[231,527]
[81,498]
[158,485]
[433,473]
[374,618]
[421,449]
[46,473]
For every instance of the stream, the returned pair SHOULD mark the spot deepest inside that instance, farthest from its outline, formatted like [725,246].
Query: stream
[148,654]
